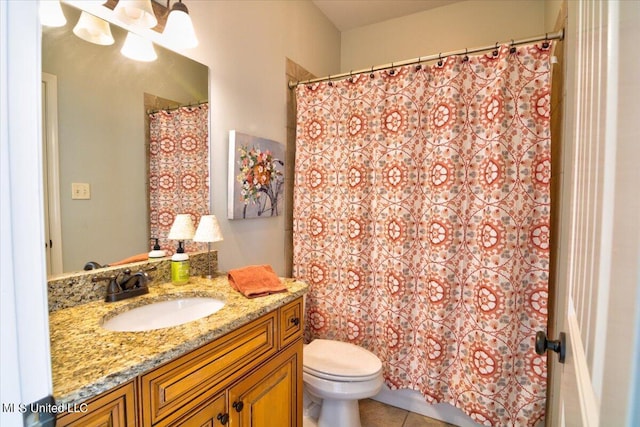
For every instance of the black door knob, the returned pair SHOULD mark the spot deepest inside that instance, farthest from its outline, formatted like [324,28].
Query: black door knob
[223,418]
[559,346]
[295,321]
[238,406]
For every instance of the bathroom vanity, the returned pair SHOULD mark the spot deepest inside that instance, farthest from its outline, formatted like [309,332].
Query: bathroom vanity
[241,366]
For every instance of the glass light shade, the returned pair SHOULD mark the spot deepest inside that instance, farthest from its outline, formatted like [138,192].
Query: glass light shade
[208,230]
[51,13]
[182,228]
[137,13]
[179,32]
[138,48]
[93,29]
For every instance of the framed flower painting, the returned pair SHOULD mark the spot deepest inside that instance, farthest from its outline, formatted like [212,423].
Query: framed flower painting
[256,177]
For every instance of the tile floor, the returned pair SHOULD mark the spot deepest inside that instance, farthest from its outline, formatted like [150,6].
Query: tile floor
[376,414]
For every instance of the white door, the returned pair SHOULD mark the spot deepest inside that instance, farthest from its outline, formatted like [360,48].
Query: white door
[599,235]
[50,175]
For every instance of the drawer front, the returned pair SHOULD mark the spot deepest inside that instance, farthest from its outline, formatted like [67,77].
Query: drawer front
[180,386]
[212,412]
[291,322]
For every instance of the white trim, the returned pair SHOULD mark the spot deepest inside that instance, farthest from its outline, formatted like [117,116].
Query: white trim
[9,356]
[53,170]
[589,405]
[609,121]
[22,264]
[412,400]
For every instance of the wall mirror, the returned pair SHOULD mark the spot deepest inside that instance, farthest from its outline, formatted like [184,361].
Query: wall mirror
[102,127]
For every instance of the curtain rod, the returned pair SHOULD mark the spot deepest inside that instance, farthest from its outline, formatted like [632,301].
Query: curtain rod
[547,36]
[193,104]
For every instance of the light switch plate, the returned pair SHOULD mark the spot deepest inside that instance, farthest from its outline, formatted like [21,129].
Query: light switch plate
[80,191]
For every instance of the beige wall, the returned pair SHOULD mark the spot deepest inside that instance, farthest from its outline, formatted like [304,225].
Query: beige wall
[471,23]
[245,44]
[552,9]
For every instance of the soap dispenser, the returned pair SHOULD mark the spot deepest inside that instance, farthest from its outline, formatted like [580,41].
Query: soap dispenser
[180,266]
[157,252]
[182,229]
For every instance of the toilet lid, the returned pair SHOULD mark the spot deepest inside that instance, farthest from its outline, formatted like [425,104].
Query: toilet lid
[335,359]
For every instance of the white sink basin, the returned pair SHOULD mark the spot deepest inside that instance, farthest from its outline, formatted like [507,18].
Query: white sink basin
[163,314]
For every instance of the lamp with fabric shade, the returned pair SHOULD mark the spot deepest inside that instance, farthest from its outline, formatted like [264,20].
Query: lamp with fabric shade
[208,231]
[181,230]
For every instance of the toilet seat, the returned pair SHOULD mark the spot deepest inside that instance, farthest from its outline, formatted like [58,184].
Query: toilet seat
[340,361]
[339,378]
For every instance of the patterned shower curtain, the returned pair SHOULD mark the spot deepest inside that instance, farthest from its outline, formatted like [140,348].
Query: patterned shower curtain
[178,170]
[421,223]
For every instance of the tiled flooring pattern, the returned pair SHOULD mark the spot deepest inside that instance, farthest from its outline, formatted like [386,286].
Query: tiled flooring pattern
[376,414]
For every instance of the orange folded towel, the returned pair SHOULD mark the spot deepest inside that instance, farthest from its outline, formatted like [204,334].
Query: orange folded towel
[256,281]
[135,258]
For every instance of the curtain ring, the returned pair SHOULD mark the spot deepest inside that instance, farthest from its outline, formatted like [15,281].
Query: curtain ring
[371,75]
[465,58]
[495,52]
[330,82]
[440,59]
[419,66]
[513,47]
[545,44]
[392,72]
[350,76]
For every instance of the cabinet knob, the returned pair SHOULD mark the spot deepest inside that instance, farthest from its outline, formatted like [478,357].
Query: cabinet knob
[238,406]
[223,418]
[295,321]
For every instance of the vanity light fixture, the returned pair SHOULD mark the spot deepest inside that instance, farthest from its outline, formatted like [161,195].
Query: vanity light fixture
[179,32]
[138,48]
[208,231]
[51,14]
[136,13]
[93,29]
[181,230]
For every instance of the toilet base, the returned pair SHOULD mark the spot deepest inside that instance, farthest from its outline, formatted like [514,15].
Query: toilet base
[343,413]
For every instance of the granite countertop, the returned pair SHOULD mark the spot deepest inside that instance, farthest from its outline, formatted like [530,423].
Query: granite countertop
[87,359]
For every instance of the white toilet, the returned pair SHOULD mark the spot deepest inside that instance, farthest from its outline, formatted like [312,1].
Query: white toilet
[336,375]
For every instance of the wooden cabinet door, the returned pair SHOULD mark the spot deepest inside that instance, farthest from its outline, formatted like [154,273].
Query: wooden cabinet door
[291,322]
[211,413]
[270,395]
[115,408]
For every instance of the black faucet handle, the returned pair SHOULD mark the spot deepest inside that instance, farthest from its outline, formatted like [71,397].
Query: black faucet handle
[95,279]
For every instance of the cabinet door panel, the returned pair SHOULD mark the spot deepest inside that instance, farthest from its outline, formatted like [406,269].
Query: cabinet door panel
[269,396]
[291,322]
[112,409]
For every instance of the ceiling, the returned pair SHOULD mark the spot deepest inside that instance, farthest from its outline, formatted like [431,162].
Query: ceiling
[349,14]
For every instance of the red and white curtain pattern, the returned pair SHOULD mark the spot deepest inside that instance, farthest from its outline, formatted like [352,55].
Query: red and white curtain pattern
[421,223]
[178,170]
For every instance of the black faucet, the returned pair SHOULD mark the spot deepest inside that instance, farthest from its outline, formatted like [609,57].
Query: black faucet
[125,285]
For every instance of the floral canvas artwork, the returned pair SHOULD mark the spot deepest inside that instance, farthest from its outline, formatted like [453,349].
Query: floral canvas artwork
[256,176]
